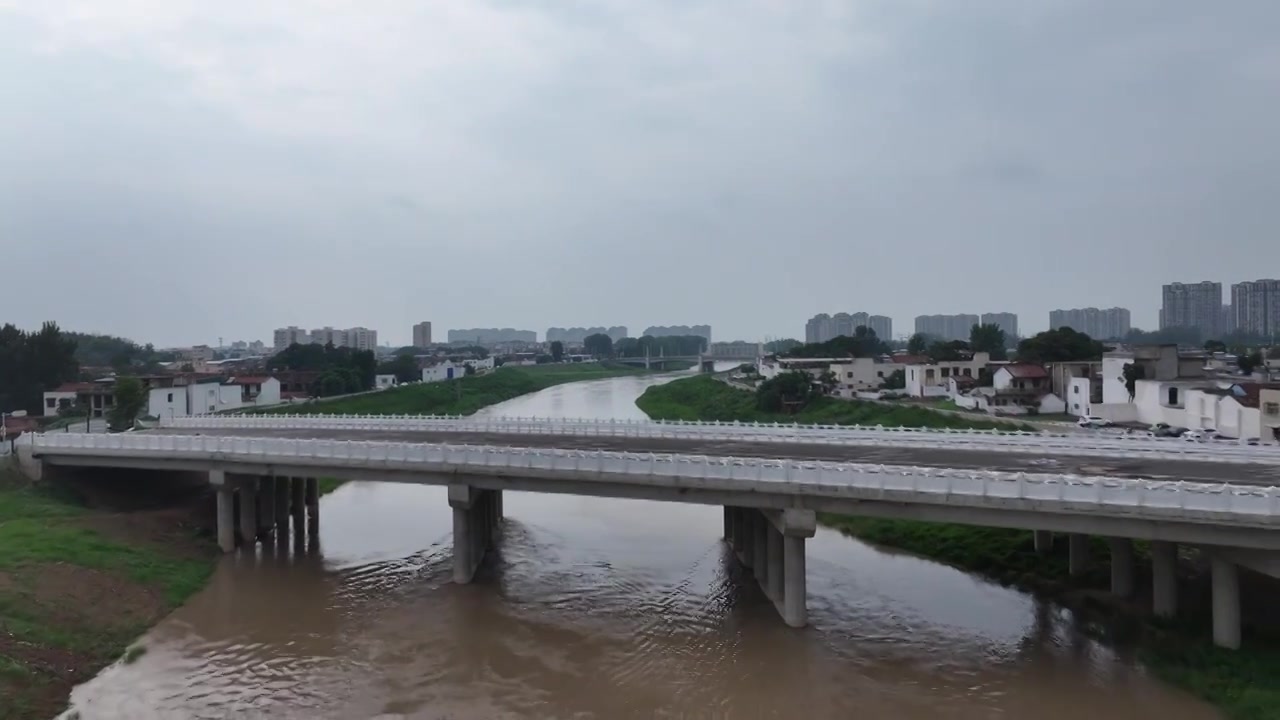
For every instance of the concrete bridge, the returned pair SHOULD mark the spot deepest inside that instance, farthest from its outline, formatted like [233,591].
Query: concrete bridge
[705,362]
[771,480]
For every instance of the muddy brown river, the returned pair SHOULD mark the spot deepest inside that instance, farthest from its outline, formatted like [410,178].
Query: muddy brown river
[599,608]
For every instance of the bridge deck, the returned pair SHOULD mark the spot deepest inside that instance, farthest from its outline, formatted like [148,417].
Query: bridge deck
[1187,470]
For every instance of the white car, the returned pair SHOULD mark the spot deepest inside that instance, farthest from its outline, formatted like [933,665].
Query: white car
[1093,421]
[1195,436]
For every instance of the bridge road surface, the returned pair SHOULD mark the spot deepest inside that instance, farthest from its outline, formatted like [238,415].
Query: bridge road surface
[1147,468]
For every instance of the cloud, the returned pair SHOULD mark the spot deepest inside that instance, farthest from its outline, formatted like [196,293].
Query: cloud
[746,164]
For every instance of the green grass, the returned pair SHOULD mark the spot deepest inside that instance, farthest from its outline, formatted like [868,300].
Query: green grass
[705,398]
[465,395]
[1244,684]
[133,653]
[40,531]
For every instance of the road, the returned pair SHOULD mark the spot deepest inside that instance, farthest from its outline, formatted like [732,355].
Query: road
[1193,471]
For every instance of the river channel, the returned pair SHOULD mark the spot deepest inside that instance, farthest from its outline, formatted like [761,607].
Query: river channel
[599,608]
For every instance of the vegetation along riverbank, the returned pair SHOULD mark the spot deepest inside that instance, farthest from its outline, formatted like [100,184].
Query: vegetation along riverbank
[83,573]
[1245,684]
[464,395]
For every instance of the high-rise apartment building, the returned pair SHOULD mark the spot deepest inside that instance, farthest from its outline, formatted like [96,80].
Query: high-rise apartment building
[422,334]
[823,327]
[329,336]
[1008,322]
[947,327]
[360,338]
[1193,305]
[492,336]
[575,335]
[1255,307]
[1108,324]
[284,337]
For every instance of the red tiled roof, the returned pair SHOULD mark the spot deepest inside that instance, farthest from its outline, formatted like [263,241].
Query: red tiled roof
[1026,371]
[248,380]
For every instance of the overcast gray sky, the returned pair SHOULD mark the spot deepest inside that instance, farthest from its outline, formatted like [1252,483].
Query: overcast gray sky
[179,170]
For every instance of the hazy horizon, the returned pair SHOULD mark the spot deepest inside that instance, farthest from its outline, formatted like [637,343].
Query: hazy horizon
[179,171]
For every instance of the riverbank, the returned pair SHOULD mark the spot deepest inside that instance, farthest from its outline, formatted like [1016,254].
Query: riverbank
[1244,684]
[464,395]
[705,398]
[82,574]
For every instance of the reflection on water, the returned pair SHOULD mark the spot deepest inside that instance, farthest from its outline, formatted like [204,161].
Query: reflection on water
[597,608]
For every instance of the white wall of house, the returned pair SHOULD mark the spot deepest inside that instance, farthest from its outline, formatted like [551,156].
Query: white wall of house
[443,371]
[1051,404]
[931,380]
[54,399]
[1269,415]
[210,397]
[1078,394]
[861,374]
[382,382]
[1113,385]
[269,394]
[481,366]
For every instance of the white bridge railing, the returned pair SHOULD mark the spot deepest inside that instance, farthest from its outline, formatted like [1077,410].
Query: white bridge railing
[1092,445]
[1196,502]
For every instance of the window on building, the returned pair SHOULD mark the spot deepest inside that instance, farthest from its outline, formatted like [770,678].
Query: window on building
[968,372]
[170,397]
[51,403]
[848,374]
[1075,390]
[880,373]
[1173,396]
[1271,408]
[946,372]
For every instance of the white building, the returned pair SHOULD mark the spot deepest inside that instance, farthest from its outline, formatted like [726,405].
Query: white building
[198,398]
[445,370]
[1269,414]
[861,375]
[361,338]
[930,379]
[382,382]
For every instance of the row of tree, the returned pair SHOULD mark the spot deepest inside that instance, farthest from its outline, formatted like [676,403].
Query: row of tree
[31,363]
[344,370]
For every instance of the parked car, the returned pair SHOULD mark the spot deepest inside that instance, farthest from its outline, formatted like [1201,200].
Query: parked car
[1093,421]
[1195,435]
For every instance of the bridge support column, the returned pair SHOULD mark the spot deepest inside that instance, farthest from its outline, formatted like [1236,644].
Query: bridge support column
[298,506]
[728,525]
[749,518]
[266,506]
[475,528]
[774,587]
[312,496]
[737,515]
[248,511]
[1121,567]
[1043,542]
[226,500]
[1164,578]
[760,550]
[1226,604]
[281,507]
[1078,547]
[795,608]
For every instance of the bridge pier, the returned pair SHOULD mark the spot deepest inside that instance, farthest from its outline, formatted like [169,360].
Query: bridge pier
[477,519]
[1164,578]
[281,507]
[1226,603]
[298,504]
[226,517]
[1121,567]
[248,511]
[266,506]
[1078,557]
[771,543]
[1043,541]
[312,496]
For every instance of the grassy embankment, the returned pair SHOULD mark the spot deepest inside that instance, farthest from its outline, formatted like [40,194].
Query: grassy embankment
[1245,684]
[461,397]
[705,398]
[78,584]
[466,395]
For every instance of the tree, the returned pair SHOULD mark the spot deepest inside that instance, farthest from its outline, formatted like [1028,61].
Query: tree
[1248,362]
[130,399]
[404,367]
[917,344]
[863,343]
[598,345]
[896,380]
[1213,346]
[32,363]
[781,346]
[557,351]
[828,381]
[952,351]
[790,389]
[1061,345]
[468,370]
[1131,374]
[988,338]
